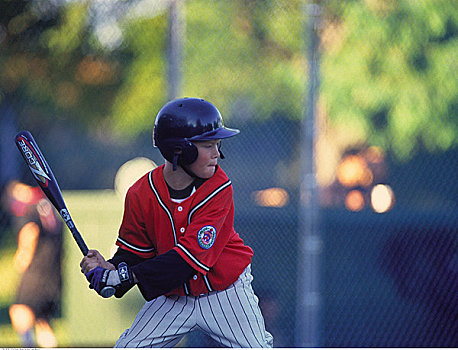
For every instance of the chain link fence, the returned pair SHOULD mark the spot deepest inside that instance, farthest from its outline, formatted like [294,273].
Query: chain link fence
[385,151]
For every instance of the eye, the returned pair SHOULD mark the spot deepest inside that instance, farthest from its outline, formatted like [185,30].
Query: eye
[209,145]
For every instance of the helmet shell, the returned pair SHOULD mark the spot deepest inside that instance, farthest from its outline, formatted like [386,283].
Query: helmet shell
[182,121]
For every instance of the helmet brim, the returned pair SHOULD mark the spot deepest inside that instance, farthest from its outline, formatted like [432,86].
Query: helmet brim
[220,133]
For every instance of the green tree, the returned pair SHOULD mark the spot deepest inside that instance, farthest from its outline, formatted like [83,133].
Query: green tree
[53,66]
[387,67]
[389,70]
[234,52]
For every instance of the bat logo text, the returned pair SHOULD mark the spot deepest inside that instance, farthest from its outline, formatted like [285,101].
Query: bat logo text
[67,218]
[34,165]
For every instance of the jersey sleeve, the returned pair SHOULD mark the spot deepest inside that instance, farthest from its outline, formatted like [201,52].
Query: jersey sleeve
[208,233]
[132,233]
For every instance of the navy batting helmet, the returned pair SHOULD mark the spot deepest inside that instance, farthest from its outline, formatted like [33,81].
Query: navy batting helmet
[182,121]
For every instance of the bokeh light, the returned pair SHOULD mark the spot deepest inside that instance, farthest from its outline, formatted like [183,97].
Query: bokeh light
[354,171]
[271,197]
[382,198]
[130,172]
[354,200]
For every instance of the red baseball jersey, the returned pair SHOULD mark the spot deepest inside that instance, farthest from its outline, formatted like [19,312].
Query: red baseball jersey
[200,229]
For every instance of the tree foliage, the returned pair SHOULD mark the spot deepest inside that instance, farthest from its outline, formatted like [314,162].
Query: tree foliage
[387,67]
[53,68]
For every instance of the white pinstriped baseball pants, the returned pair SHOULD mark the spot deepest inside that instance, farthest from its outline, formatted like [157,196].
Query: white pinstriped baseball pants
[231,317]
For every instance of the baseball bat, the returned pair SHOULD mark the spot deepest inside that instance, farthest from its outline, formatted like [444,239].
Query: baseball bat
[42,173]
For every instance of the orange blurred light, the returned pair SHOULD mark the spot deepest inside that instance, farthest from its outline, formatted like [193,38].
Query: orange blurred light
[353,171]
[271,197]
[354,200]
[374,154]
[94,71]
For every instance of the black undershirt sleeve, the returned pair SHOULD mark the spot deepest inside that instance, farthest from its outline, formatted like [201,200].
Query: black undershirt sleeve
[162,274]
[158,275]
[123,255]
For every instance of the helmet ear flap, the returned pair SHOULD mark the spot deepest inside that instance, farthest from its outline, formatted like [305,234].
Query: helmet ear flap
[178,152]
[188,154]
[184,154]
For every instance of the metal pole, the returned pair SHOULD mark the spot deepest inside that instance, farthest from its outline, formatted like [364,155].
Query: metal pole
[175,47]
[310,243]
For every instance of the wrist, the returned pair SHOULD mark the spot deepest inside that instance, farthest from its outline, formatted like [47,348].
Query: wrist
[109,282]
[126,278]
[113,278]
[123,275]
[107,265]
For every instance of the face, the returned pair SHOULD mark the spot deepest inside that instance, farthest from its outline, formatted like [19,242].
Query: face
[207,159]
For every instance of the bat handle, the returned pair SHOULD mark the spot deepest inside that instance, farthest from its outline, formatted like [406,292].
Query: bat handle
[79,240]
[107,291]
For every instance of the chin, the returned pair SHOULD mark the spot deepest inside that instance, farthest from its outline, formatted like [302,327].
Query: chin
[204,172]
[209,173]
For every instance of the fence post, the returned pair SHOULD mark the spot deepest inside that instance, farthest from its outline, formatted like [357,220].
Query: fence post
[308,290]
[176,37]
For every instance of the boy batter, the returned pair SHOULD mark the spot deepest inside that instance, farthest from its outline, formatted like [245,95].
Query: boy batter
[178,244]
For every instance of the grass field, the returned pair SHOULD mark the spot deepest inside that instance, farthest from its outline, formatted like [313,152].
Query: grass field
[87,320]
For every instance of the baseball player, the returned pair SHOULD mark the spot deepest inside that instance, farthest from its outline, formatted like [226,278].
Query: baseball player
[38,259]
[177,242]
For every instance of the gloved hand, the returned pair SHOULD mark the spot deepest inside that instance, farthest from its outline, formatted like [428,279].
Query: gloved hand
[107,282]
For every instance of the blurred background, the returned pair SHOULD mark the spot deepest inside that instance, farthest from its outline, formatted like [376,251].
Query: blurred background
[344,172]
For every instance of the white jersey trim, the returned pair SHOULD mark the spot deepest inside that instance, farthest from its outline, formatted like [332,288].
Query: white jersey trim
[191,213]
[192,257]
[133,247]
[161,203]
[210,196]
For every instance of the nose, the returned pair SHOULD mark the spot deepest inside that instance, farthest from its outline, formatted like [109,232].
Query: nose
[215,153]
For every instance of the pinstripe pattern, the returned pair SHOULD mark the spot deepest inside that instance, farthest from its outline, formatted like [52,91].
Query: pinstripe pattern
[207,283]
[231,317]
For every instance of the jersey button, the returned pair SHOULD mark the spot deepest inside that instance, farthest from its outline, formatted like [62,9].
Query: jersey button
[194,277]
[182,230]
[180,208]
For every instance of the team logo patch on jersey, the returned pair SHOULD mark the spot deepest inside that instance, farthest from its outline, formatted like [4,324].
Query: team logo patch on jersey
[206,237]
